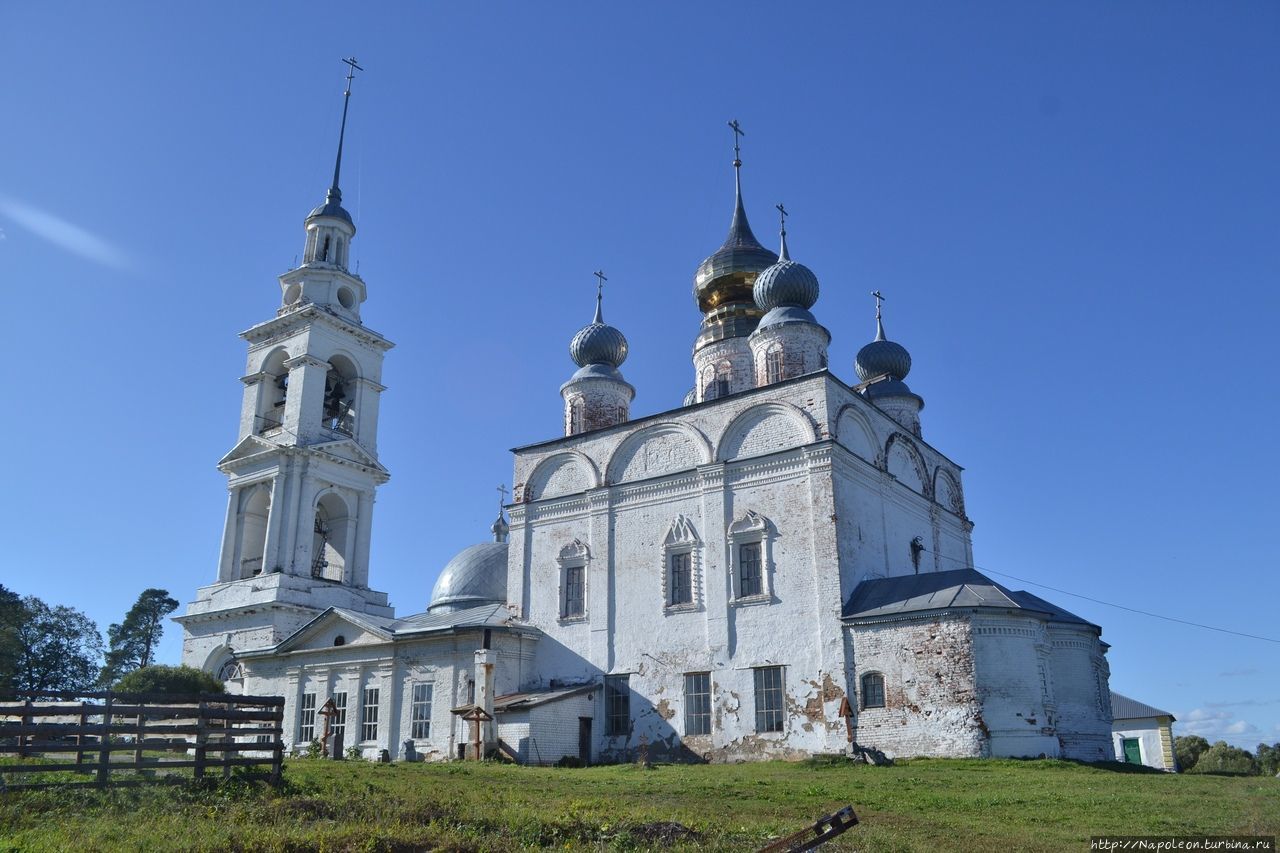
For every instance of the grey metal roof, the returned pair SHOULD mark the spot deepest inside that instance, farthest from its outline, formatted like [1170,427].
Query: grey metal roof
[476,575]
[1124,708]
[533,698]
[495,615]
[956,589]
[598,343]
[332,207]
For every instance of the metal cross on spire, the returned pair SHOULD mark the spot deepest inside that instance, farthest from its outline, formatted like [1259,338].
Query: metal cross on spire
[783,254]
[502,496]
[879,325]
[738,133]
[601,278]
[782,214]
[342,132]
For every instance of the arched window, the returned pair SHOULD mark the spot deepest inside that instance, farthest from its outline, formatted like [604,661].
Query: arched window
[577,415]
[718,382]
[255,507]
[329,538]
[773,368]
[873,690]
[273,392]
[324,253]
[339,396]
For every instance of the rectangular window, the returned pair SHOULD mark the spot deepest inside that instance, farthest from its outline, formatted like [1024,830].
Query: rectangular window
[617,705]
[680,581]
[574,591]
[773,366]
[421,726]
[749,575]
[369,715]
[338,722]
[769,703]
[697,703]
[307,719]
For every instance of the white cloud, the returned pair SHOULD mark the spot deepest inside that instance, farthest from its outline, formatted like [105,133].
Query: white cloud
[1217,725]
[64,234]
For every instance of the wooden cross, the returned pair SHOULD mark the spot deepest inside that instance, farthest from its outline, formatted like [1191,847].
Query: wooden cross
[737,132]
[351,72]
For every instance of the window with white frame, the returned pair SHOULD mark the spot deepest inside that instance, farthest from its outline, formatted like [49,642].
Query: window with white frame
[573,560]
[749,558]
[773,366]
[770,707]
[617,705]
[307,718]
[421,711]
[338,722]
[697,703]
[681,566]
[369,715]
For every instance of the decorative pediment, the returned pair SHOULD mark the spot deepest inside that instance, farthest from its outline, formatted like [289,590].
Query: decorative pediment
[249,446]
[575,552]
[681,532]
[323,631]
[751,522]
[348,450]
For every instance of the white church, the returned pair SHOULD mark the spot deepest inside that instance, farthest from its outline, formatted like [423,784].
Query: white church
[779,568]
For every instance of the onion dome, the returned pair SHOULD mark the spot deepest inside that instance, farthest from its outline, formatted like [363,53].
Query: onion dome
[598,343]
[691,397]
[883,356]
[476,576]
[786,290]
[500,529]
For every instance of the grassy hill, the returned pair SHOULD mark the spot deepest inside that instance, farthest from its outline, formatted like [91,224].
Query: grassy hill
[916,805]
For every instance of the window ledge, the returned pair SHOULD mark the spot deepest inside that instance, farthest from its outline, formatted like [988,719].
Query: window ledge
[681,608]
[752,600]
[572,620]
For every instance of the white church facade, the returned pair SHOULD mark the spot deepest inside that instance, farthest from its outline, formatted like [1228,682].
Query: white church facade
[779,568]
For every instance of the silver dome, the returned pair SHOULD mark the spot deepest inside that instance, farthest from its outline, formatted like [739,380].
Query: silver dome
[598,344]
[476,576]
[880,357]
[332,207]
[786,283]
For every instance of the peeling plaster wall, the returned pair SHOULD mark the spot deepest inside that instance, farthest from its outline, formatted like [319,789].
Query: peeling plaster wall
[1013,666]
[931,695]
[1080,679]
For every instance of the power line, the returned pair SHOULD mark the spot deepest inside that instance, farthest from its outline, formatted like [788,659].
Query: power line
[1121,606]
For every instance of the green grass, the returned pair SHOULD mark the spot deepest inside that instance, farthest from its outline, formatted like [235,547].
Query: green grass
[917,805]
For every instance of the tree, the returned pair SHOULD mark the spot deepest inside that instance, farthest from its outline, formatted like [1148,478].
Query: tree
[1188,750]
[133,641]
[159,678]
[1222,757]
[59,648]
[1268,758]
[12,614]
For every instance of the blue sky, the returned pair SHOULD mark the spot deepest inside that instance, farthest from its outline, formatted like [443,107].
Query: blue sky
[1071,208]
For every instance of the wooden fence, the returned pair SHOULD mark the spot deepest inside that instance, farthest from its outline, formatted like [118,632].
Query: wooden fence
[133,735]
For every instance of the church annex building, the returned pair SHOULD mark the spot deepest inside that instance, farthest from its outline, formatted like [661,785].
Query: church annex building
[779,568]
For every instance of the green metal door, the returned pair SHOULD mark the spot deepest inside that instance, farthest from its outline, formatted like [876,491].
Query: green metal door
[1132,751]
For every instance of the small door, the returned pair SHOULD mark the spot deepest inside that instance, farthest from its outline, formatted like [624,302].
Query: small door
[584,739]
[1132,751]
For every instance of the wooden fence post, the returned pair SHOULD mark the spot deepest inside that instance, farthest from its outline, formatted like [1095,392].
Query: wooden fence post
[26,721]
[84,721]
[277,747]
[104,743]
[200,741]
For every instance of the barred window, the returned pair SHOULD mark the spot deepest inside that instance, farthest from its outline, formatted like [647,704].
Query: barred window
[680,580]
[338,722]
[307,719]
[769,699]
[873,690]
[749,576]
[421,716]
[773,365]
[369,715]
[617,705]
[697,703]
[574,592]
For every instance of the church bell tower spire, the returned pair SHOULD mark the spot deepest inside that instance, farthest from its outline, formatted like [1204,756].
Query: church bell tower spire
[303,474]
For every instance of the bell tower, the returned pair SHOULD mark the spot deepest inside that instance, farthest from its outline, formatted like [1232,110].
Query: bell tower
[302,476]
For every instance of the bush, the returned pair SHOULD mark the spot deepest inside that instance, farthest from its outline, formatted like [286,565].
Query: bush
[1188,749]
[1225,759]
[168,679]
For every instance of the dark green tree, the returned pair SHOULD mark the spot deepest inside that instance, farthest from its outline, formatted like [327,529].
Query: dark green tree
[12,614]
[59,648]
[132,643]
[1188,749]
[159,678]
[1224,758]
[1268,758]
